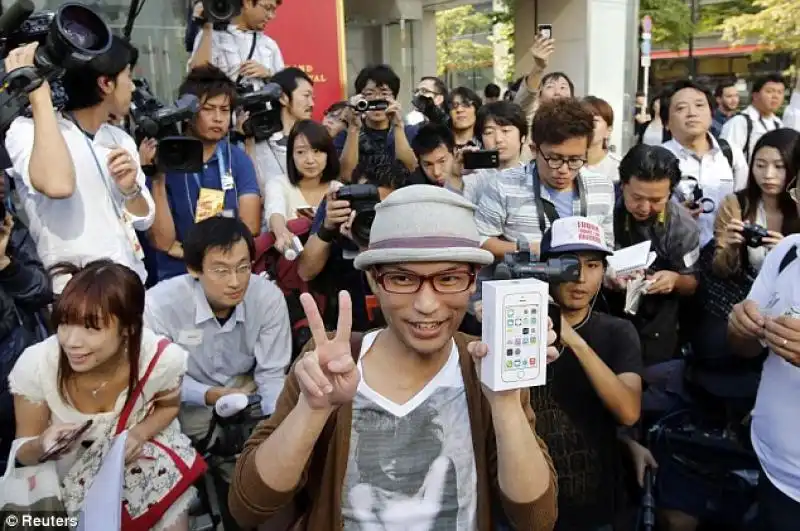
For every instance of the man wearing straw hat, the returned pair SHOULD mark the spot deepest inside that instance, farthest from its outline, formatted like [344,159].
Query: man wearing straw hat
[393,430]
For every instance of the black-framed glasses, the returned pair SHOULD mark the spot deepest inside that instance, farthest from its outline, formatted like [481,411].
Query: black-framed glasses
[555,162]
[404,283]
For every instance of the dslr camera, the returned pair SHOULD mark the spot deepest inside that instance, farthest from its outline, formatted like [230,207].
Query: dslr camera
[521,264]
[362,199]
[263,107]
[689,192]
[754,235]
[152,119]
[68,38]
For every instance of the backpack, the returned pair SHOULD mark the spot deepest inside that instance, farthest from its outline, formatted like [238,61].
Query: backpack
[788,258]
[749,122]
[727,150]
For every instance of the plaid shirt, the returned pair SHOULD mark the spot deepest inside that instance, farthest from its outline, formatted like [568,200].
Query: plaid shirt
[507,208]
[231,47]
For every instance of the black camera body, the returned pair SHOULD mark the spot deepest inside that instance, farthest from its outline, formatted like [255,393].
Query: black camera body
[263,107]
[221,11]
[521,264]
[754,234]
[362,199]
[427,107]
[690,193]
[364,105]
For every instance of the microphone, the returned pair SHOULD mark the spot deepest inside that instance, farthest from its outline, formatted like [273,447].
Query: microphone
[15,15]
[230,405]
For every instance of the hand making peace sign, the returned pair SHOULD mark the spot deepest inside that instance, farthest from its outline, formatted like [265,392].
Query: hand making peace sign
[328,375]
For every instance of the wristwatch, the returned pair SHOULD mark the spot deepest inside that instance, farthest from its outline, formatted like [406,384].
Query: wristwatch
[327,235]
[132,194]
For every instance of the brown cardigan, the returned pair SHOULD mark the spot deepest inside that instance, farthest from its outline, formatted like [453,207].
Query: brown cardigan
[252,502]
[727,260]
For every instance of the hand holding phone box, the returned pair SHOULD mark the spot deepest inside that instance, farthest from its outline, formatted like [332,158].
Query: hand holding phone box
[515,316]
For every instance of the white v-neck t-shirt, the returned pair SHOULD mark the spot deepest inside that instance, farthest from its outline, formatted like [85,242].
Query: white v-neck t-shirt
[411,466]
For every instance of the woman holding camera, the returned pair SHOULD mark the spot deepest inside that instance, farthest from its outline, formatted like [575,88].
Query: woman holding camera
[313,163]
[100,374]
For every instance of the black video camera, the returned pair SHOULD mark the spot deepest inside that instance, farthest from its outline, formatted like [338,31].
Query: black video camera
[520,264]
[153,119]
[754,234]
[362,199]
[68,38]
[364,105]
[221,11]
[427,107]
[264,109]
[690,193]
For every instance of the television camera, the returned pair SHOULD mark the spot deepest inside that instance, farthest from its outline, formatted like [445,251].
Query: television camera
[221,11]
[153,119]
[263,107]
[68,38]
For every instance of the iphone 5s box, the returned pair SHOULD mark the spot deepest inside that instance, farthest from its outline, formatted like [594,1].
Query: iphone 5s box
[515,329]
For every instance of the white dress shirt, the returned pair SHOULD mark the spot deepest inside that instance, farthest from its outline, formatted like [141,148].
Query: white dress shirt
[715,176]
[255,339]
[735,130]
[85,226]
[231,47]
[791,116]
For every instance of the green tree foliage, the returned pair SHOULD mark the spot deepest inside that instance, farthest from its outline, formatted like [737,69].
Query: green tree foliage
[456,49]
[672,21]
[775,24]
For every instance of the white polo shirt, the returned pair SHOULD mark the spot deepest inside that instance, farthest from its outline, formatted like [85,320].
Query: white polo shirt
[715,175]
[85,226]
[735,130]
[775,428]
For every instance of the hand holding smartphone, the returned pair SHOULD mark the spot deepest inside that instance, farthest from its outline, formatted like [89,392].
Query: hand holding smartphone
[64,441]
[545,30]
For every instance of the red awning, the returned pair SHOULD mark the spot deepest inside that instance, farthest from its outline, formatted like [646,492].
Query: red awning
[744,49]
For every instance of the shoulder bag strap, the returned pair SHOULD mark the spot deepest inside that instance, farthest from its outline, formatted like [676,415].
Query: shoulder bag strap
[543,208]
[788,258]
[749,122]
[137,392]
[249,55]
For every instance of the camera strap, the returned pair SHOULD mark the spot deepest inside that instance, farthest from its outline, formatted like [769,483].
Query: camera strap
[249,55]
[547,208]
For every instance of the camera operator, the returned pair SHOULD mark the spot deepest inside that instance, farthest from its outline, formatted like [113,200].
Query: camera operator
[296,104]
[329,252]
[686,112]
[376,132]
[24,292]
[79,177]
[242,50]
[228,178]
[430,102]
[648,175]
[593,386]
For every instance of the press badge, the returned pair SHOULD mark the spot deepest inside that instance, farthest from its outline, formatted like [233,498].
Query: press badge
[210,203]
[190,338]
[227,181]
[133,238]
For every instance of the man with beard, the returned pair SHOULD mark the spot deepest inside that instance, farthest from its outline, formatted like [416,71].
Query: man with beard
[727,96]
[592,386]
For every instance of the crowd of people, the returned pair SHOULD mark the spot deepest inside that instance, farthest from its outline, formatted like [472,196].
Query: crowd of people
[330,272]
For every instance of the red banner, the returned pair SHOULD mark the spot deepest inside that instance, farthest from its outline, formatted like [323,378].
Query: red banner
[313,40]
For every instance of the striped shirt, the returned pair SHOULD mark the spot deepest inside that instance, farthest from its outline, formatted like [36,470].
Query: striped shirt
[507,208]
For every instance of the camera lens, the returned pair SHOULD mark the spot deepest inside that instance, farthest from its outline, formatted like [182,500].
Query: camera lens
[362,105]
[82,29]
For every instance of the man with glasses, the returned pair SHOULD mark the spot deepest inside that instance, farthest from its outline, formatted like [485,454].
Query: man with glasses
[378,132]
[235,325]
[242,50]
[523,201]
[392,429]
[434,90]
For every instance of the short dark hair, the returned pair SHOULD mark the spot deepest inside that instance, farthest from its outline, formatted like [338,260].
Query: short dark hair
[467,95]
[557,121]
[319,139]
[502,113]
[430,136]
[383,171]
[336,107]
[288,79]
[381,75]
[650,163]
[760,81]
[558,75]
[80,84]
[666,96]
[217,232]
[722,86]
[441,88]
[640,94]
[491,91]
[208,82]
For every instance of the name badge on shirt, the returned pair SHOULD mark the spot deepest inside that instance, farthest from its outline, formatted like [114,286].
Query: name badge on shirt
[227,181]
[190,338]
[210,203]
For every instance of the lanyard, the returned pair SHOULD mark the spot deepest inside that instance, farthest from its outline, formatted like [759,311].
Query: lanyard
[222,175]
[117,207]
[548,208]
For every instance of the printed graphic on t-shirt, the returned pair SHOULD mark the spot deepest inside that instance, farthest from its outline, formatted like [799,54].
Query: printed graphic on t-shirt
[414,472]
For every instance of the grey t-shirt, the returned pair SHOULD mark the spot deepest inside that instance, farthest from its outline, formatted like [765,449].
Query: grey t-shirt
[411,466]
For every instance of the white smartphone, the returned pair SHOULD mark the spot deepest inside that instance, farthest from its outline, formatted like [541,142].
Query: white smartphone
[523,315]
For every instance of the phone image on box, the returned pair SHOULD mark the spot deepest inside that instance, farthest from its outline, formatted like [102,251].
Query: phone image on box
[483,159]
[523,315]
[65,441]
[545,30]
